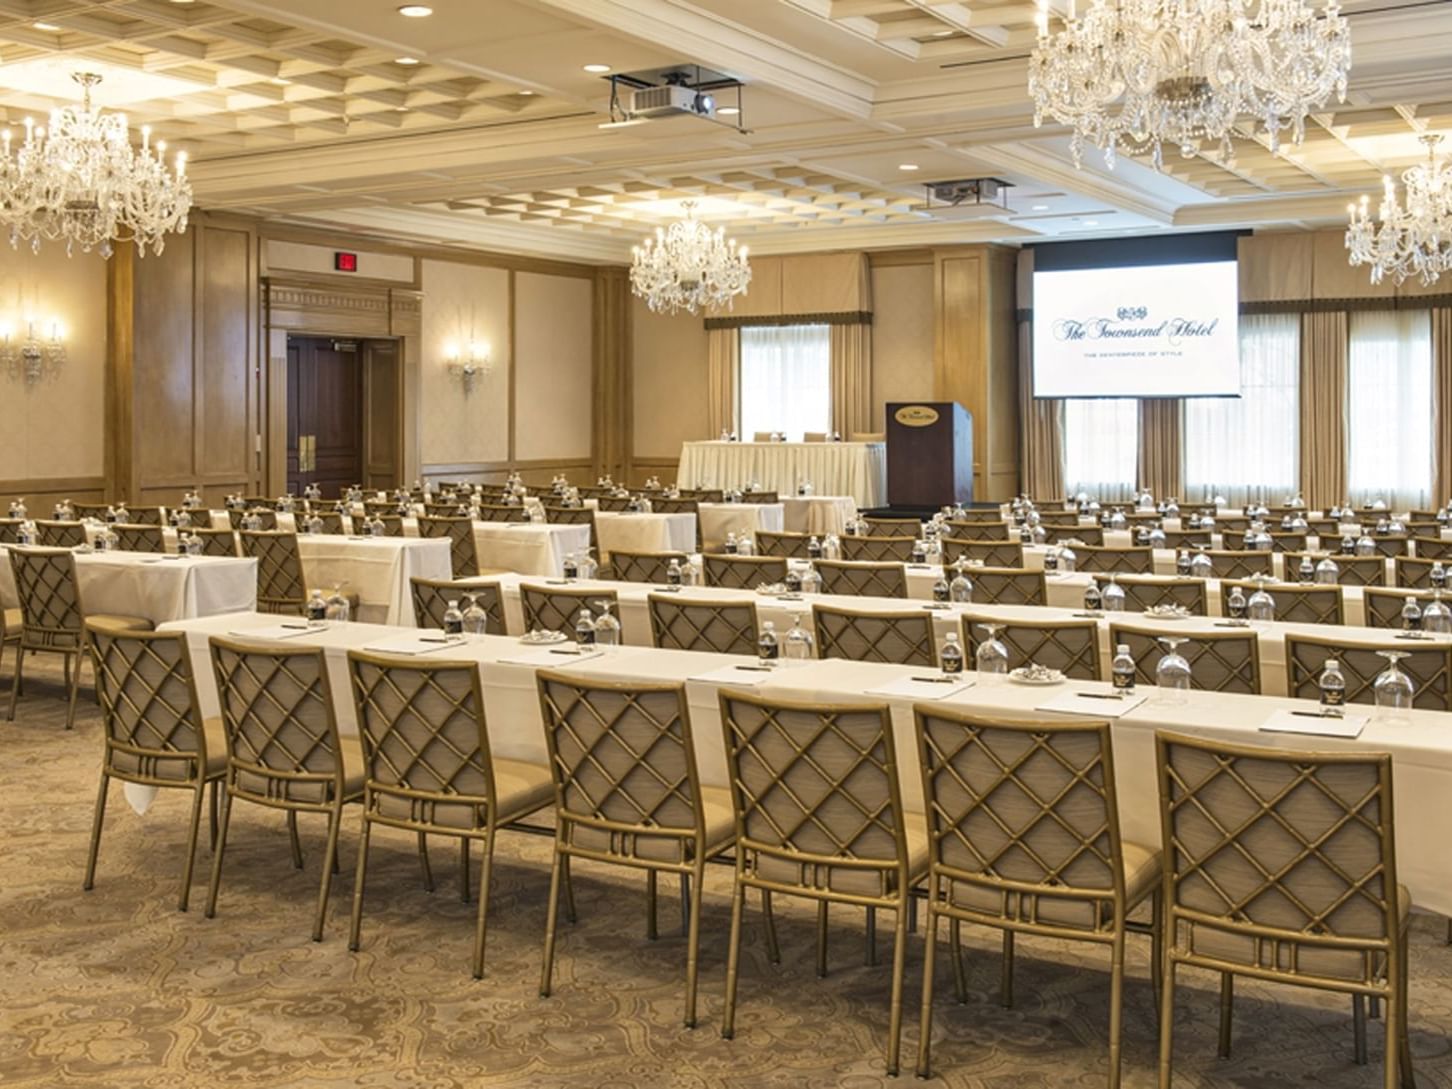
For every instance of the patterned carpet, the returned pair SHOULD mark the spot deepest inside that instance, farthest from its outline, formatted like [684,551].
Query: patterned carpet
[116,989]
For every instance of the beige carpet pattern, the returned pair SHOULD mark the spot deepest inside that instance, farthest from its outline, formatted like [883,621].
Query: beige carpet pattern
[115,989]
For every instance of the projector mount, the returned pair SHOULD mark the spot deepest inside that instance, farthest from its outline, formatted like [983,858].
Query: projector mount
[681,90]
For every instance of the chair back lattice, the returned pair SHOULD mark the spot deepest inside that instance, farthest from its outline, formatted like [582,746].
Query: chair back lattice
[1428,666]
[392,524]
[978,515]
[573,516]
[1008,586]
[445,510]
[979,531]
[266,517]
[139,538]
[1283,540]
[49,596]
[862,579]
[282,735]
[878,549]
[380,506]
[1129,561]
[332,521]
[216,542]
[551,609]
[1391,547]
[431,598]
[765,498]
[989,553]
[893,527]
[816,795]
[1238,564]
[1296,604]
[623,763]
[1187,538]
[1281,860]
[149,704]
[1086,536]
[678,623]
[1143,592]
[93,511]
[1350,570]
[280,584]
[1384,606]
[615,503]
[791,545]
[1070,646]
[460,533]
[503,512]
[904,638]
[743,572]
[646,566]
[1415,574]
[704,495]
[1222,661]
[1023,817]
[1432,548]
[60,534]
[9,530]
[424,741]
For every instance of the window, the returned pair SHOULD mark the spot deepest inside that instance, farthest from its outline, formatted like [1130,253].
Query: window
[786,379]
[1101,447]
[1248,448]
[1389,408]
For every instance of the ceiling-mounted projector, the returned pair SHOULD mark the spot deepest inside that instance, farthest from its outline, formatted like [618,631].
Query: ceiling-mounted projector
[679,90]
[670,100]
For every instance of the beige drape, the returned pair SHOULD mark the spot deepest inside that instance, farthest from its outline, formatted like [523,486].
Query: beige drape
[1160,446]
[852,379]
[723,370]
[1323,408]
[1441,403]
[1043,429]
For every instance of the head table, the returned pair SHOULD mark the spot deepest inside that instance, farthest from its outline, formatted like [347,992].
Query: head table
[1418,741]
[858,469]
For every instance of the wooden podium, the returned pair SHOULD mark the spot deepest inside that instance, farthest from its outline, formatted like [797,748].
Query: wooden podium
[929,454]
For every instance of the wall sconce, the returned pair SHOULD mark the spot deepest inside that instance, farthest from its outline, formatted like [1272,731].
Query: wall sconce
[467,368]
[30,356]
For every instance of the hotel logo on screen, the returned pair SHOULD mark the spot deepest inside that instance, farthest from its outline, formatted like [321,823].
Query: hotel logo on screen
[1132,323]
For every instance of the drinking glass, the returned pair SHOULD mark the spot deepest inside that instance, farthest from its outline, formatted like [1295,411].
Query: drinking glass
[1172,674]
[1393,690]
[991,658]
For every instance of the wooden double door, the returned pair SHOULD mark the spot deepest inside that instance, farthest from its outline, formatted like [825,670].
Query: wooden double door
[343,426]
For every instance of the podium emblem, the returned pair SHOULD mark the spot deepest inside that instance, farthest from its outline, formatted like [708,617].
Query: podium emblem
[916,415]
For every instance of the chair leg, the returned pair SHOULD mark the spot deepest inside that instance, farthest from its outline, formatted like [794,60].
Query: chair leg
[73,680]
[1391,1065]
[355,926]
[570,913]
[773,947]
[293,840]
[1167,1023]
[899,962]
[925,1018]
[1157,945]
[423,861]
[16,681]
[96,822]
[1402,1036]
[198,797]
[1227,1010]
[869,939]
[733,955]
[686,903]
[552,916]
[1116,1007]
[651,931]
[960,972]
[216,882]
[1373,1006]
[1005,985]
[213,810]
[335,818]
[693,940]
[822,939]
[464,869]
[483,906]
[1358,1028]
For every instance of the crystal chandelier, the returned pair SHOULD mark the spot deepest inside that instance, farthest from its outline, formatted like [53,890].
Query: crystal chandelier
[1414,239]
[1134,75]
[80,180]
[688,266]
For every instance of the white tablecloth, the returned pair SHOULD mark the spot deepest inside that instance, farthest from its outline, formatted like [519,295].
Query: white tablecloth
[858,469]
[530,548]
[157,588]
[627,532]
[377,569]
[1418,741]
[819,514]
[719,519]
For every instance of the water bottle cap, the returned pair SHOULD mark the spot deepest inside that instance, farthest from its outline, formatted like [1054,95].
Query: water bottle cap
[1123,648]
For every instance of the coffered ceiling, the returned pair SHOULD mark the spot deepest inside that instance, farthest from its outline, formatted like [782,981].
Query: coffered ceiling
[478,126]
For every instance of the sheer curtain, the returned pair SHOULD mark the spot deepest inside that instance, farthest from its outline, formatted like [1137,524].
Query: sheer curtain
[786,379]
[1389,408]
[1248,448]
[1101,447]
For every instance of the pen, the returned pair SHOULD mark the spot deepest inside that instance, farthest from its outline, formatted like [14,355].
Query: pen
[295,627]
[1098,696]
[570,652]
[1314,714]
[756,669]
[934,680]
[433,639]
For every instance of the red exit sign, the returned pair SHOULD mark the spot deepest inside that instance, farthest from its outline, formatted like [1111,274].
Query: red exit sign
[345,262]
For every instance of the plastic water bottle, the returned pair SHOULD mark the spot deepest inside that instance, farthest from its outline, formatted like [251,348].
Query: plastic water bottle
[730,546]
[1437,577]
[1235,605]
[793,581]
[476,619]
[952,654]
[1182,563]
[673,573]
[1332,684]
[453,621]
[1093,598]
[1306,570]
[317,608]
[572,567]
[941,590]
[767,648]
[585,628]
[814,549]
[1122,670]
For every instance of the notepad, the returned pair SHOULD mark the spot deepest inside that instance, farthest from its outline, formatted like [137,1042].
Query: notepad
[1095,704]
[743,674]
[1349,725]
[560,657]
[425,643]
[923,687]
[277,631]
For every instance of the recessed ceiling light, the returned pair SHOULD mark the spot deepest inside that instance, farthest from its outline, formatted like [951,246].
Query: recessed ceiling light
[44,26]
[907,166]
[597,68]
[408,62]
[526,92]
[942,33]
[1041,208]
[1091,223]
[415,11]
[727,111]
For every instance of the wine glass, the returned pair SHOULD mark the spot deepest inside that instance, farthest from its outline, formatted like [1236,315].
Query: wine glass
[991,658]
[1393,690]
[1262,607]
[1172,673]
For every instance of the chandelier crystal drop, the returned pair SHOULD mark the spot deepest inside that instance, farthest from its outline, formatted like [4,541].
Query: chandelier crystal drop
[688,266]
[79,180]
[1134,75]
[1411,239]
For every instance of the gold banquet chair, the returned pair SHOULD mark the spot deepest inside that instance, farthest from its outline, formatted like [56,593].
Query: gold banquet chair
[1414,574]
[52,620]
[283,748]
[1433,548]
[743,572]
[1106,558]
[1142,592]
[862,579]
[1350,570]
[988,553]
[1008,586]
[216,542]
[1238,563]
[460,534]
[139,538]
[902,638]
[995,530]
[653,567]
[51,534]
[550,609]
[819,815]
[678,623]
[1023,835]
[1281,865]
[266,516]
[1297,604]
[1428,664]
[432,597]
[1070,646]
[281,587]
[878,549]
[790,545]
[431,771]
[503,512]
[879,526]
[1384,606]
[154,733]
[627,792]
[1220,661]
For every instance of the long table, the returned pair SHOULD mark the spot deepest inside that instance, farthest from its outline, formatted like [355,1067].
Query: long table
[1418,741]
[858,469]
